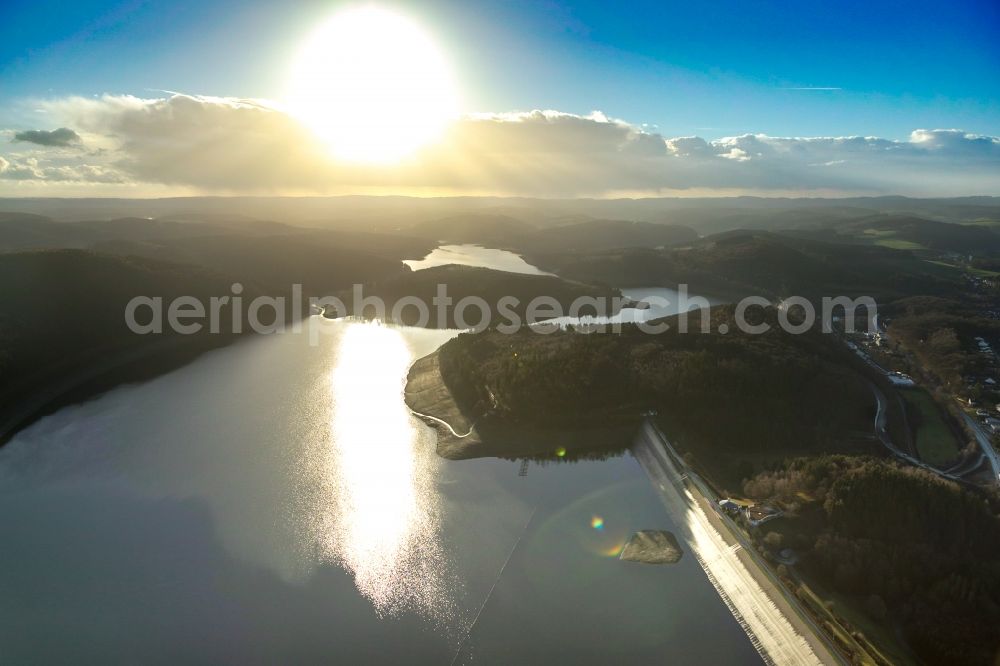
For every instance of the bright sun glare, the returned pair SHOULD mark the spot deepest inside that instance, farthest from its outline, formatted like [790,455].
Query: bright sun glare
[372,85]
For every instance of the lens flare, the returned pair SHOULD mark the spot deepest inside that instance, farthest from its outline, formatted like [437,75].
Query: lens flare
[613,550]
[597,523]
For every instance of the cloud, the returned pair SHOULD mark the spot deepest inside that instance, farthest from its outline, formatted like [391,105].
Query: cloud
[19,170]
[248,146]
[32,169]
[61,137]
[956,142]
[735,153]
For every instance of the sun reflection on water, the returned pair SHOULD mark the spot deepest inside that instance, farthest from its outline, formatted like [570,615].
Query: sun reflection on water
[384,525]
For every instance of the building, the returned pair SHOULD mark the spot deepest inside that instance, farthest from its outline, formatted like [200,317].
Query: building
[729,506]
[899,379]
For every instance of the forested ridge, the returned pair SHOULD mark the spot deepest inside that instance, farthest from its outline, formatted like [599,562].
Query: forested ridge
[719,393]
[911,547]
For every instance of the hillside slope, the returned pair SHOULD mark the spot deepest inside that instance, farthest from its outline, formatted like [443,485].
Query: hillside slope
[62,312]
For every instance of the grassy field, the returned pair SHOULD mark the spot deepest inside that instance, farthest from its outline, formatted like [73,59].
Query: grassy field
[936,442]
[899,244]
[885,238]
[981,272]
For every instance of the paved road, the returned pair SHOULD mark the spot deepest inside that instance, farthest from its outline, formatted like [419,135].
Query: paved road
[986,445]
[883,435]
[445,424]
[880,430]
[777,629]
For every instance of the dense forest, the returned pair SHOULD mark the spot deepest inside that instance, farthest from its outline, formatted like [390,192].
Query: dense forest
[54,304]
[911,232]
[743,262]
[569,233]
[941,332]
[267,256]
[736,394]
[64,287]
[905,543]
[63,312]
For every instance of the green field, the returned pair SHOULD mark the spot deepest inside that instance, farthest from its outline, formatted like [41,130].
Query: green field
[885,238]
[981,272]
[936,443]
[879,233]
[899,244]
[983,223]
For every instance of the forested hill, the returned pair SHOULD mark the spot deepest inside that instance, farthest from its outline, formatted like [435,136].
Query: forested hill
[911,547]
[757,262]
[733,394]
[64,310]
[464,282]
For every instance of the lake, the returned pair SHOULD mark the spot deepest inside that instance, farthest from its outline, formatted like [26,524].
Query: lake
[475,255]
[661,301]
[276,502]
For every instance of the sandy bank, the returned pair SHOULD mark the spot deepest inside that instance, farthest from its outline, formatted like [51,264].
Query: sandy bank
[459,437]
[428,397]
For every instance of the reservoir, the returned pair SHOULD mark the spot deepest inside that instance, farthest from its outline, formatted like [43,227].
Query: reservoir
[276,502]
[476,255]
[659,301]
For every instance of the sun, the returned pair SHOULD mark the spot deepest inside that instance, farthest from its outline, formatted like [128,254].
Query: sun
[373,85]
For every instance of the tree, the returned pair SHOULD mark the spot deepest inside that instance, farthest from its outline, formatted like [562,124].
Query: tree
[875,607]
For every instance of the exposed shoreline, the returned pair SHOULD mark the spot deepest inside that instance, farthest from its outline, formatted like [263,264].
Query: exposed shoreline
[428,398]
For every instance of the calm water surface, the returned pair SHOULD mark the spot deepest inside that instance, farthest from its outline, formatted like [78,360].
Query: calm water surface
[663,302]
[275,502]
[475,255]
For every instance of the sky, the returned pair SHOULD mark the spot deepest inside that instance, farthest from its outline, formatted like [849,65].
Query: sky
[784,97]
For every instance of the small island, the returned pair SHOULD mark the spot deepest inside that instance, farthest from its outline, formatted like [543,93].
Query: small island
[652,547]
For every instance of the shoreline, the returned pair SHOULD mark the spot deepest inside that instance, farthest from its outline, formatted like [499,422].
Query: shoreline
[687,482]
[781,631]
[87,382]
[428,398]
